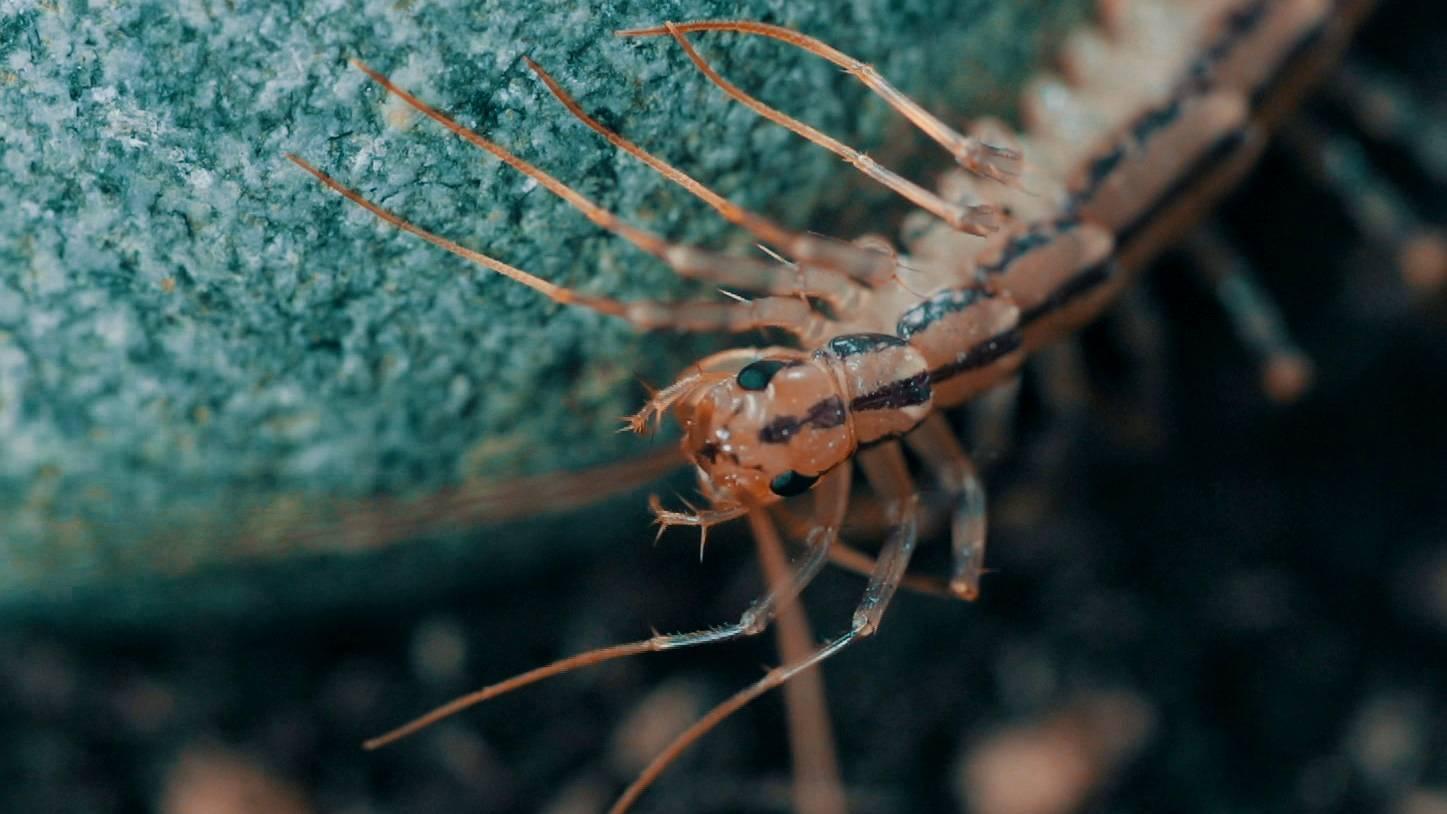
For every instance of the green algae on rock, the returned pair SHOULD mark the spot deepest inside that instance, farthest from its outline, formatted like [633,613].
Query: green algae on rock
[194,334]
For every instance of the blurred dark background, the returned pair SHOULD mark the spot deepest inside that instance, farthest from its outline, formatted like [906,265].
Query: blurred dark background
[1230,605]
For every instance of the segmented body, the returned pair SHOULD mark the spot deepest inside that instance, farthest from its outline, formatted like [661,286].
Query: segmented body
[1160,108]
[970,312]
[1159,112]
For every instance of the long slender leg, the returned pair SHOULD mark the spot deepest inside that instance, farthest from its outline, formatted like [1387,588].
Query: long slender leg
[1374,203]
[790,314]
[1064,387]
[979,220]
[1386,107]
[992,419]
[852,559]
[866,518]
[793,315]
[887,472]
[999,163]
[809,255]
[1140,328]
[817,785]
[748,273]
[936,444]
[1285,368]
[831,501]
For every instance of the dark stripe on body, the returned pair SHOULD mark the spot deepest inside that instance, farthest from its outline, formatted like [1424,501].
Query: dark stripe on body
[1155,120]
[952,301]
[1304,45]
[896,394]
[1197,80]
[824,415]
[1142,129]
[1069,291]
[1239,24]
[980,355]
[1224,148]
[1039,236]
[1100,169]
[1084,282]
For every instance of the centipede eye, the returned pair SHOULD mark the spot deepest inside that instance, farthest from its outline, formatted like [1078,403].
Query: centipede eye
[792,483]
[757,375]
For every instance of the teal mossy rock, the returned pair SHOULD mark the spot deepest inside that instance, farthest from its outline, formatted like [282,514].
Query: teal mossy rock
[216,375]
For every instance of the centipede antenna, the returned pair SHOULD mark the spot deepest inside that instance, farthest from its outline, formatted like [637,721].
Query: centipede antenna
[978,220]
[817,787]
[558,667]
[998,163]
[717,715]
[889,475]
[552,291]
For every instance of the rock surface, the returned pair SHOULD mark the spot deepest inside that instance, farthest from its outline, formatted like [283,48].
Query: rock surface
[201,349]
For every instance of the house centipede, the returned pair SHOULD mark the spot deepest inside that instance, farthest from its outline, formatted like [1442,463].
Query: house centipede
[1032,237]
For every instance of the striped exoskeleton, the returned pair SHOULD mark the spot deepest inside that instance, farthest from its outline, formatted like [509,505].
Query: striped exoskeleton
[1160,108]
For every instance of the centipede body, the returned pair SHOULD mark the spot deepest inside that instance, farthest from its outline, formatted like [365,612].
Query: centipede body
[1119,604]
[1154,164]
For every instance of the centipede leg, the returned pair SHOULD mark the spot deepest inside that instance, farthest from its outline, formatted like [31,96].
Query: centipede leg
[818,788]
[749,274]
[887,472]
[1285,368]
[814,256]
[831,498]
[1388,109]
[831,501]
[979,220]
[855,561]
[1377,207]
[866,518]
[1139,326]
[988,160]
[992,419]
[1064,386]
[791,314]
[771,277]
[934,442]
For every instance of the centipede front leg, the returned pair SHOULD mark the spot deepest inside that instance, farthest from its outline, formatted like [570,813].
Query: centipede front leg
[1157,112]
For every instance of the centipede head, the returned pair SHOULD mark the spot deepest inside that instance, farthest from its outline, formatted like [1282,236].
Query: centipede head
[767,432]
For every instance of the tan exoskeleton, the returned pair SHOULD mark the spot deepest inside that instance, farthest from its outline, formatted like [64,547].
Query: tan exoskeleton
[1031,238]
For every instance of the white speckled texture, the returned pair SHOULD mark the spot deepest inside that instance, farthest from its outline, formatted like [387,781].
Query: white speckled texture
[192,330]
